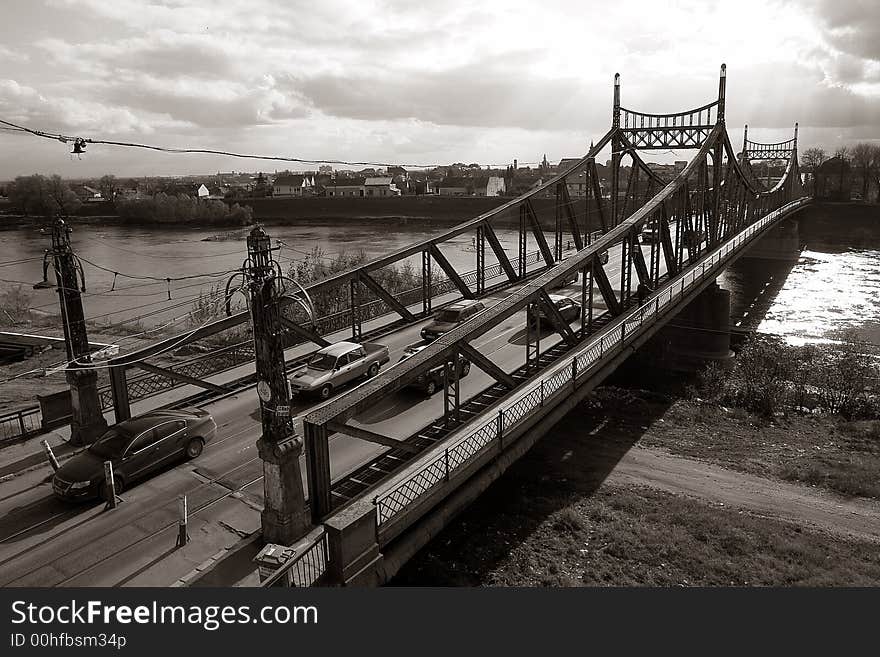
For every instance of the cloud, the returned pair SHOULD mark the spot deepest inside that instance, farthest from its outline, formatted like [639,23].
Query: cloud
[853,26]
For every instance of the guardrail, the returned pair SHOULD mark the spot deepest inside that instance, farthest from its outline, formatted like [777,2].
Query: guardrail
[560,379]
[20,424]
[305,568]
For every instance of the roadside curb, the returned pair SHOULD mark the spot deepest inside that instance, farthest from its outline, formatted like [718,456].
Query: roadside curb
[63,451]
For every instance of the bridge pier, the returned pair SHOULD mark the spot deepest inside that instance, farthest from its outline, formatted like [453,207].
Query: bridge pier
[697,335]
[782,243]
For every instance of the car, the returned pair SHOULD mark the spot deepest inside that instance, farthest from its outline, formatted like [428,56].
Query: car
[336,365]
[432,380]
[136,447]
[448,318]
[567,307]
[650,233]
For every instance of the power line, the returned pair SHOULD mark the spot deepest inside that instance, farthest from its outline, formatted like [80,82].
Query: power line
[207,151]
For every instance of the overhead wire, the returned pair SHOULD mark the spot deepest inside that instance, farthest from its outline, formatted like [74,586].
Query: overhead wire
[208,151]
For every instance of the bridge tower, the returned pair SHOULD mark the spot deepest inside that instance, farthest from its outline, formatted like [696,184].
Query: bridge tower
[87,422]
[284,515]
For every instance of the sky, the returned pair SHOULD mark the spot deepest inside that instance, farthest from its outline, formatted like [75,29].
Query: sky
[415,82]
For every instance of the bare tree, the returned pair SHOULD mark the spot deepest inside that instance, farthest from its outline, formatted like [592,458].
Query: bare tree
[812,158]
[863,162]
[842,153]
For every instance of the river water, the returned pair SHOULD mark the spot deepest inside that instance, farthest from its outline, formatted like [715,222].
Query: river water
[826,292]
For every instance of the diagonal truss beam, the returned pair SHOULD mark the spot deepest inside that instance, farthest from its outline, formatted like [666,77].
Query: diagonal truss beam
[556,318]
[383,294]
[597,194]
[605,288]
[303,332]
[370,436]
[666,242]
[451,273]
[486,365]
[183,378]
[564,198]
[538,232]
[498,250]
[638,259]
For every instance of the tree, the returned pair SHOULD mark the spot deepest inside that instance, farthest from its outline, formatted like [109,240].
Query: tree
[108,187]
[863,162]
[41,196]
[62,202]
[812,158]
[842,153]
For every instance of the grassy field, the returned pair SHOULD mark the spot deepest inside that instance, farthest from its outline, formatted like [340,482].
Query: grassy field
[631,536]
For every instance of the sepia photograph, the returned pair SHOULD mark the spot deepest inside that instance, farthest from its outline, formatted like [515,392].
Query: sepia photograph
[479,295]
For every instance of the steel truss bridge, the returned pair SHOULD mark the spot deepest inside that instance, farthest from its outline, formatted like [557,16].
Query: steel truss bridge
[367,524]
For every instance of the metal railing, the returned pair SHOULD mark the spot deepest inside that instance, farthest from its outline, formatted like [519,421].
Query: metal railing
[20,424]
[305,568]
[561,378]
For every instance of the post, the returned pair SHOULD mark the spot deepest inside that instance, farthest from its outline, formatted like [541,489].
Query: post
[182,535]
[616,146]
[110,483]
[88,420]
[49,454]
[283,518]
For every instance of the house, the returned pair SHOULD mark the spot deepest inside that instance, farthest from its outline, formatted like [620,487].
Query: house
[380,186]
[488,186]
[86,193]
[293,185]
[203,192]
[346,187]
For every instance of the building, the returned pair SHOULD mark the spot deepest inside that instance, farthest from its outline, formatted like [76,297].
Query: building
[488,186]
[293,185]
[346,187]
[455,186]
[203,192]
[380,186]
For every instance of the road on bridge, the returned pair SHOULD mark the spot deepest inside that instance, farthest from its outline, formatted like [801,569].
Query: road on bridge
[44,542]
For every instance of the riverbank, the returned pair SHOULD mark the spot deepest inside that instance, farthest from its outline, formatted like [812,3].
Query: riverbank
[428,210]
[640,488]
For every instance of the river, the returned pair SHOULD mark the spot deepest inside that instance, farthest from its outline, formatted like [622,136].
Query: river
[825,292]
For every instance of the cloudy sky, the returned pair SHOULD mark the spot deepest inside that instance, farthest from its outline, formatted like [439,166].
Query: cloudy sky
[416,82]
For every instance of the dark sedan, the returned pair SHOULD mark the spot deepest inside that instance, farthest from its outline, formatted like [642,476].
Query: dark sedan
[568,308]
[136,447]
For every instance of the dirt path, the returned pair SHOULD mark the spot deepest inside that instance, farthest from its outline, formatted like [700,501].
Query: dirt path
[857,518]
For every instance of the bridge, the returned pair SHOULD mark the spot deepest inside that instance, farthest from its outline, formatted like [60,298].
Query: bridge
[387,469]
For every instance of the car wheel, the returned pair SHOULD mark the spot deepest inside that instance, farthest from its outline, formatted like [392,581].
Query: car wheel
[465,369]
[325,391]
[430,388]
[194,448]
[117,483]
[373,371]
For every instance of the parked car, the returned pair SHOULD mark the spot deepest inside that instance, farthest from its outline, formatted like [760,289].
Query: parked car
[432,380]
[135,447]
[449,317]
[332,367]
[567,307]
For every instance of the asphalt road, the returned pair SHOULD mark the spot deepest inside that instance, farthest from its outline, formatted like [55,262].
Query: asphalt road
[45,542]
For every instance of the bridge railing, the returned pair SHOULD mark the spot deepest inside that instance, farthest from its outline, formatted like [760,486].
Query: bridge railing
[305,568]
[557,382]
[20,424]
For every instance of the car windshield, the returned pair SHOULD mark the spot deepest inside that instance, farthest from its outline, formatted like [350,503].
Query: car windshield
[322,362]
[447,316]
[111,444]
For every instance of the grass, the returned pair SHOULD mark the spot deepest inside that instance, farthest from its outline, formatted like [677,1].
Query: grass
[633,536]
[826,451]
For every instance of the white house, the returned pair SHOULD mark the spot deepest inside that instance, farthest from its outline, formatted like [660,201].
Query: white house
[203,192]
[380,186]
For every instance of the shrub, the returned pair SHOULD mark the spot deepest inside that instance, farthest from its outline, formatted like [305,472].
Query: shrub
[15,304]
